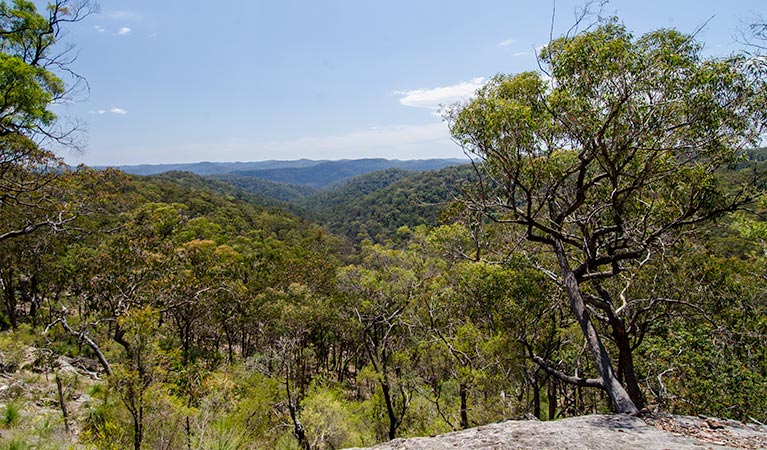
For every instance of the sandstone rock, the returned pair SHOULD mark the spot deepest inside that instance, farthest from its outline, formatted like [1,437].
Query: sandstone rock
[597,432]
[65,368]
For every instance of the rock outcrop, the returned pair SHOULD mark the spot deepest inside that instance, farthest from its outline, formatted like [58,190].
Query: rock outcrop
[597,432]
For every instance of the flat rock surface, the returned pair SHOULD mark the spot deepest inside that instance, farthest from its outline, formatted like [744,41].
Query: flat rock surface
[597,432]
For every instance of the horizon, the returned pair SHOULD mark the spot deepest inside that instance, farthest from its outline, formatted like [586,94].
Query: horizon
[260,81]
[283,160]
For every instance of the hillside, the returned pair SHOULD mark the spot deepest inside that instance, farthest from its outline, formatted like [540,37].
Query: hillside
[283,192]
[328,173]
[374,206]
[217,187]
[313,173]
[370,206]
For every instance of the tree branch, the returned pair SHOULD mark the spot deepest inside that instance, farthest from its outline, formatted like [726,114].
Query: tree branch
[578,381]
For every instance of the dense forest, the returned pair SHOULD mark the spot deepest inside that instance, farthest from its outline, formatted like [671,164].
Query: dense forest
[604,250]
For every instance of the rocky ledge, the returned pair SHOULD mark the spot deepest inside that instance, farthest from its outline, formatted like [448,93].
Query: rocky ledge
[597,432]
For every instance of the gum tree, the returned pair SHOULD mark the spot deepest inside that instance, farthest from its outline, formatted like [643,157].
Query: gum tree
[603,160]
[33,69]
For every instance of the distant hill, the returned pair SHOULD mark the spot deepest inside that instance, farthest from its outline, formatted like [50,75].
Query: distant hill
[350,197]
[354,189]
[219,187]
[375,205]
[290,193]
[316,174]
[328,173]
[206,168]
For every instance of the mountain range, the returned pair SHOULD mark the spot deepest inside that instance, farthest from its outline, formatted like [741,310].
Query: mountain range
[316,174]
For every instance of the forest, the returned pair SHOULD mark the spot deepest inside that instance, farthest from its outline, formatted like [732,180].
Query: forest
[604,249]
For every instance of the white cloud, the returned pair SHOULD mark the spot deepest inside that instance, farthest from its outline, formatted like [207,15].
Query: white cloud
[99,28]
[114,110]
[506,43]
[520,54]
[123,31]
[435,97]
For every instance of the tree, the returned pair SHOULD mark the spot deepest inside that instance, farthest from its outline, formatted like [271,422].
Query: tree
[385,286]
[604,159]
[144,360]
[28,62]
[30,83]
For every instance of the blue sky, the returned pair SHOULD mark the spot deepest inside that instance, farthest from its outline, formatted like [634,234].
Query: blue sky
[186,81]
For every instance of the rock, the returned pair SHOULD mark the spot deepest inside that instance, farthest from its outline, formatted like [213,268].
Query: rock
[65,368]
[597,432]
[714,425]
[86,366]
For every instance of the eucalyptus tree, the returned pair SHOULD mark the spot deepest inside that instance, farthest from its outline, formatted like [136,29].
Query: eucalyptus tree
[603,159]
[385,286]
[32,64]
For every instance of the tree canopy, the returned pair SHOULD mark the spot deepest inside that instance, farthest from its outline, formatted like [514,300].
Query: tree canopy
[607,155]
[31,67]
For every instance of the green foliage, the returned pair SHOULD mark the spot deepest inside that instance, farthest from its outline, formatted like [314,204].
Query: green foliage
[228,302]
[267,191]
[689,372]
[607,164]
[374,206]
[29,86]
[11,415]
[253,409]
[333,422]
[14,345]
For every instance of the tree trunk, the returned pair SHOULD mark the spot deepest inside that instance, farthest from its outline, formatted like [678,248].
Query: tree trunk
[119,337]
[626,371]
[138,427]
[62,403]
[10,300]
[293,407]
[298,428]
[389,407]
[464,391]
[188,429]
[610,383]
[551,392]
[536,400]
[229,343]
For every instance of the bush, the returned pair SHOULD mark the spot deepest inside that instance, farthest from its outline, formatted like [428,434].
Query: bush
[11,415]
[333,422]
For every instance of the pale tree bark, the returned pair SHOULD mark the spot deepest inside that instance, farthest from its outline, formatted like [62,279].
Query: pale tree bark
[83,336]
[609,381]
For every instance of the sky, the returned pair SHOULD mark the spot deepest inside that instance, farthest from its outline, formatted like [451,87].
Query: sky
[174,81]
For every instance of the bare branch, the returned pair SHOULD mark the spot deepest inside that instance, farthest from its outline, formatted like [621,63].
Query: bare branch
[577,381]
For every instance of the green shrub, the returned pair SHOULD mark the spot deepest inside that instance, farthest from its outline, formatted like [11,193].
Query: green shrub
[332,422]
[11,415]
[16,443]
